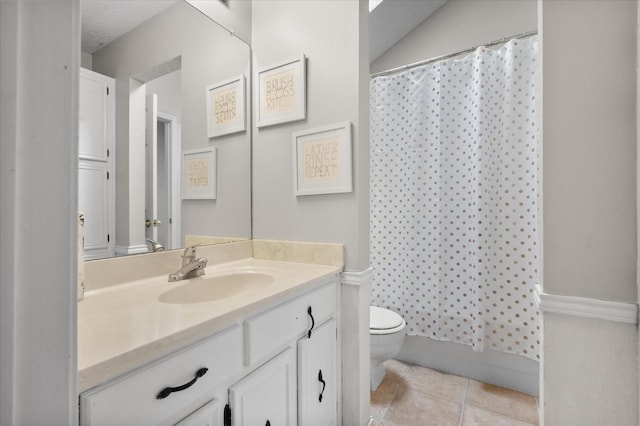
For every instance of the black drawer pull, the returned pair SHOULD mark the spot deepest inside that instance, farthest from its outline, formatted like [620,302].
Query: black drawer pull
[324,384]
[169,390]
[313,322]
[268,423]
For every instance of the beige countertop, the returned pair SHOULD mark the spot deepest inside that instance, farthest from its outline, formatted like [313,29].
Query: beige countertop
[125,326]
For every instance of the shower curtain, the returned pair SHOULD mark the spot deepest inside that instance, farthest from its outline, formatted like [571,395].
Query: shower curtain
[455,197]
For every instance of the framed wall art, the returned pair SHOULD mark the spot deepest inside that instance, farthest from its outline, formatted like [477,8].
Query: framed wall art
[322,160]
[282,93]
[226,107]
[199,174]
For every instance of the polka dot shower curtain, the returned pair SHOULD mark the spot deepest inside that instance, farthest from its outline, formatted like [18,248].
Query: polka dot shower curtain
[455,197]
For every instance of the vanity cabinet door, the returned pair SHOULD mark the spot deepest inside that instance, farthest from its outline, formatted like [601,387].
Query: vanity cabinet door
[317,377]
[207,415]
[267,396]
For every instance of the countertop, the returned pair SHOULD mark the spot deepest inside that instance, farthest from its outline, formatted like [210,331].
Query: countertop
[125,326]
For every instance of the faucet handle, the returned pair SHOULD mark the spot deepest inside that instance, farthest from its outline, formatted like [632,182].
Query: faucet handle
[189,254]
[190,251]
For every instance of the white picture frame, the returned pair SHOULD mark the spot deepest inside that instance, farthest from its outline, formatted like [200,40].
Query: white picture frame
[322,160]
[282,92]
[199,167]
[226,112]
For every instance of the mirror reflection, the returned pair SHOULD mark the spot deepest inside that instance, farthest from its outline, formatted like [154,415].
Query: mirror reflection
[147,67]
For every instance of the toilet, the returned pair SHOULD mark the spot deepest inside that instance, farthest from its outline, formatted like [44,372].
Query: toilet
[387,331]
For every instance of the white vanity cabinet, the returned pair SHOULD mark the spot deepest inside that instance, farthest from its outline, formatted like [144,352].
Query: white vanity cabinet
[277,366]
[302,389]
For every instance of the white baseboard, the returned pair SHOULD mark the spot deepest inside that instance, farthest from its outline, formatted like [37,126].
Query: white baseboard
[507,370]
[125,250]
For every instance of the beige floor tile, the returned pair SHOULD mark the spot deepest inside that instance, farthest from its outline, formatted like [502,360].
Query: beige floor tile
[411,408]
[503,401]
[412,395]
[387,389]
[399,368]
[386,392]
[378,411]
[379,422]
[435,383]
[473,416]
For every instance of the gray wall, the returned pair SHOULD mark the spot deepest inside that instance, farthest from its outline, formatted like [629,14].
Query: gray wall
[167,87]
[589,149]
[459,25]
[208,55]
[327,33]
[86,60]
[589,136]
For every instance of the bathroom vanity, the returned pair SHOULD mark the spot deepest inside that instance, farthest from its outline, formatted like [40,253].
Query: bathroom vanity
[153,353]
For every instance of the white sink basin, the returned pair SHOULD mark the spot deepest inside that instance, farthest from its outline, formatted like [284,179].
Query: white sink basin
[217,287]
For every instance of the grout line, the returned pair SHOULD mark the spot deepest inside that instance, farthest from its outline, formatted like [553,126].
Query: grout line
[464,399]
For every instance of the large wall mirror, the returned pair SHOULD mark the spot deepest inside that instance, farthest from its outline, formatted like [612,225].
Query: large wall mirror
[157,77]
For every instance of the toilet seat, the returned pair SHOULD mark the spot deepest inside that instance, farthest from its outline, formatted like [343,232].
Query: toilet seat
[384,321]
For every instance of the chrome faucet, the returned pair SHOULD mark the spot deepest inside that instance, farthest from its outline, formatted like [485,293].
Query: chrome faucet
[155,245]
[191,266]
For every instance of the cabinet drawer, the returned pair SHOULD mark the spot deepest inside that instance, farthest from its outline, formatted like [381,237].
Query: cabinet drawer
[133,398]
[268,333]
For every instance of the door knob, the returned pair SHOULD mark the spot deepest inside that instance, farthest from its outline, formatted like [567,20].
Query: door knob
[147,223]
[157,223]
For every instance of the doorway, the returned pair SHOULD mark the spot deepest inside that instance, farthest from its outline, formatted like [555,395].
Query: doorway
[167,192]
[162,163]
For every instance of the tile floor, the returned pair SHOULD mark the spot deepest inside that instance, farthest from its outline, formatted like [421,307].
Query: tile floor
[417,396]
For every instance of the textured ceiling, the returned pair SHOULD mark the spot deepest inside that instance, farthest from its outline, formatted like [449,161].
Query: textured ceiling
[103,21]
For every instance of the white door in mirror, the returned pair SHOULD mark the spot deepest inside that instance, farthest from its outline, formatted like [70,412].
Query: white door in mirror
[151,167]
[96,163]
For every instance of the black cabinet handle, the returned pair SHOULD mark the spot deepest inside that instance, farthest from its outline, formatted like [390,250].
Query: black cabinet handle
[227,415]
[169,390]
[313,322]
[324,384]
[268,423]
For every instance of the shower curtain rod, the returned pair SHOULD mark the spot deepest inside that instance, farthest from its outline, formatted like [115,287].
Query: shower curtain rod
[451,55]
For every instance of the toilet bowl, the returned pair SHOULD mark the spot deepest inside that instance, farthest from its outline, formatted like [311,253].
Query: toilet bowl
[387,331]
